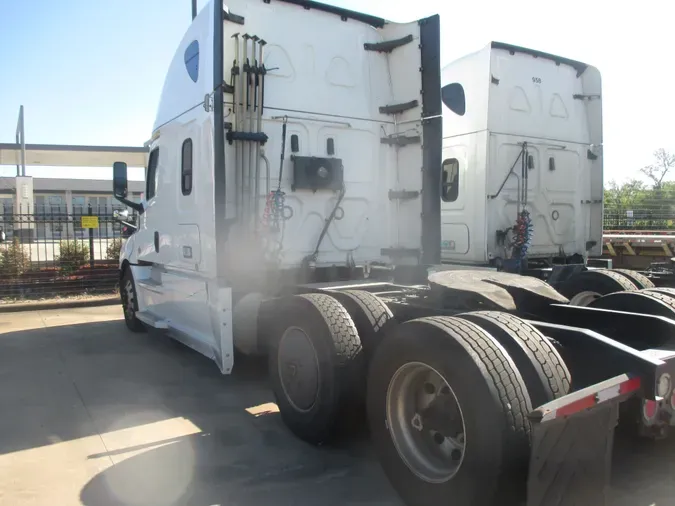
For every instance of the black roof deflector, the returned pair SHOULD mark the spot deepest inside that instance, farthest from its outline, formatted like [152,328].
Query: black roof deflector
[343,13]
[576,65]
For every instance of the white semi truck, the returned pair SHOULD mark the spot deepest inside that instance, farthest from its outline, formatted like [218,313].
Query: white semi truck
[293,210]
[522,129]
[525,129]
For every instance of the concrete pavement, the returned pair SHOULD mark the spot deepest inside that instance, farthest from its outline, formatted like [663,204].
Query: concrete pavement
[95,415]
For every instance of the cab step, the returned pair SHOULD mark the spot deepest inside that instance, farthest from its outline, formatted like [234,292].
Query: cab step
[152,320]
[150,284]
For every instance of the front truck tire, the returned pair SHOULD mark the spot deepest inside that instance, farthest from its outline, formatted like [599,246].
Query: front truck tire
[447,411]
[584,287]
[543,369]
[129,298]
[316,363]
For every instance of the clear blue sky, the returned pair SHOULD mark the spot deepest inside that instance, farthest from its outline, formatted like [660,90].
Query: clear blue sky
[91,71]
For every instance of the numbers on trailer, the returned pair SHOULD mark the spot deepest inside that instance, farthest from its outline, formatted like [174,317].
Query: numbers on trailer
[536,80]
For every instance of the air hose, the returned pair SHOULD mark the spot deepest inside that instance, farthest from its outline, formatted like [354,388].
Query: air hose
[522,230]
[522,236]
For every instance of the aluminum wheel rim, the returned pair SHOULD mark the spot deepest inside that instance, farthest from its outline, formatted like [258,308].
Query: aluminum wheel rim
[432,455]
[584,298]
[298,369]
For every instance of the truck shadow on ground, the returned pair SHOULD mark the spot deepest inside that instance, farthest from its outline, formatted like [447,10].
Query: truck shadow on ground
[243,455]
[175,431]
[170,427]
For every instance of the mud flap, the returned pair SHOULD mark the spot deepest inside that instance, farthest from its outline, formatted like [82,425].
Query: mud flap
[572,441]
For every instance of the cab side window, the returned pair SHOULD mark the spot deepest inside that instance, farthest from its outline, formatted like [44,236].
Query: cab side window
[450,180]
[151,176]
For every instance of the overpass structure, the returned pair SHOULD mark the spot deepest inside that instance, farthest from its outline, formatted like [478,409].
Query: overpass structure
[55,155]
[69,156]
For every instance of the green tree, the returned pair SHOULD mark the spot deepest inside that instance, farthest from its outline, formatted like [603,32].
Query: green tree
[625,196]
[657,171]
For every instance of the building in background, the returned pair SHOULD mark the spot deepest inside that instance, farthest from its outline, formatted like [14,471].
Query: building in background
[50,208]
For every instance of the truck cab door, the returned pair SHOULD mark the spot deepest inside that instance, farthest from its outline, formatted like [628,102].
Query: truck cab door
[149,238]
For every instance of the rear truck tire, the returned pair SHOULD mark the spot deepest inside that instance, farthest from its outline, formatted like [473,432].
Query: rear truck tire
[541,366]
[639,280]
[315,364]
[644,301]
[584,287]
[129,298]
[447,410]
[661,289]
[370,314]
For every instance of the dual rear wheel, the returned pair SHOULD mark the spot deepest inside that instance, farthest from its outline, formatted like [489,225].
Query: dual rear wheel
[619,290]
[318,354]
[584,288]
[447,397]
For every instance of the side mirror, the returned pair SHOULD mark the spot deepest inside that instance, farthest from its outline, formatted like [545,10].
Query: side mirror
[120,182]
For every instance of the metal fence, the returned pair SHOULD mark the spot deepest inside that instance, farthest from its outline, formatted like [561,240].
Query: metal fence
[639,219]
[51,252]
